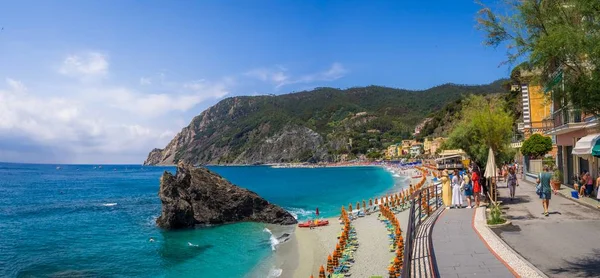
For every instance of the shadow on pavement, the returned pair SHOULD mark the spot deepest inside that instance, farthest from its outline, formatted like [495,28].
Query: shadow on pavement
[517,200]
[588,266]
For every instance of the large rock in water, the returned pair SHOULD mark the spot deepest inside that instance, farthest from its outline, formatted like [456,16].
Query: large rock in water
[197,196]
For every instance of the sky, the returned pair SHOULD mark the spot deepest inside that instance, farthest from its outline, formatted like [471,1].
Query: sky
[107,81]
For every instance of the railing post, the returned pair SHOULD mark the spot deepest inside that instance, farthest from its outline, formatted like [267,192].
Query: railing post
[420,206]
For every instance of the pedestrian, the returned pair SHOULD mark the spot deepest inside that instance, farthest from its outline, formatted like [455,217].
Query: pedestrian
[467,187]
[583,184]
[512,182]
[446,190]
[505,172]
[475,179]
[543,188]
[589,185]
[456,196]
[598,186]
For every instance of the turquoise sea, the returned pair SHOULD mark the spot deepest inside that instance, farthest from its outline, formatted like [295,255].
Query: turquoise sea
[87,221]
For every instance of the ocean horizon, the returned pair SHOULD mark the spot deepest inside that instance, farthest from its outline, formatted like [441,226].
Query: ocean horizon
[86,220]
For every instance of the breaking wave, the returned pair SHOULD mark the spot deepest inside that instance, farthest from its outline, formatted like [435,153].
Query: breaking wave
[274,241]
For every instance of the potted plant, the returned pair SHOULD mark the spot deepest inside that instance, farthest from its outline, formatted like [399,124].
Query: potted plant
[557,178]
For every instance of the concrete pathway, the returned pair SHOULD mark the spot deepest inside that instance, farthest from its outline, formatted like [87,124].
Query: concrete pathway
[565,244]
[459,251]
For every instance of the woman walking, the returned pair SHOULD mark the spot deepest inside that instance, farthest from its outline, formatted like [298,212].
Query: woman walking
[543,189]
[456,196]
[467,186]
[476,185]
[511,181]
[446,190]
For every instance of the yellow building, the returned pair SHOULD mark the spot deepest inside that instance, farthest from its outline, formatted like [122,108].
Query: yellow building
[427,146]
[537,110]
[393,151]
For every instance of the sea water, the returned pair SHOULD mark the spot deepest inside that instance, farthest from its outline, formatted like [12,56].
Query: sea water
[98,221]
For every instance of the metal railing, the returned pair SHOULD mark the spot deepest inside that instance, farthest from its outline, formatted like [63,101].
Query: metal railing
[566,115]
[416,215]
[449,166]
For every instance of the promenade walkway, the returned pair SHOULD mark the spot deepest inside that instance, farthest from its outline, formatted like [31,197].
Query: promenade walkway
[459,251]
[564,244]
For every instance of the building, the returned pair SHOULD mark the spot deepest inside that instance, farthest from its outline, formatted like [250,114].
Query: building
[427,146]
[416,149]
[452,160]
[573,133]
[573,130]
[406,144]
[393,151]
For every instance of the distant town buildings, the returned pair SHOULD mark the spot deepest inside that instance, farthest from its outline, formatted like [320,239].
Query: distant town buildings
[414,148]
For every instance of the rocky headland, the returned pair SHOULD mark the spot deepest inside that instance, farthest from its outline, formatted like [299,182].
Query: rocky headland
[197,196]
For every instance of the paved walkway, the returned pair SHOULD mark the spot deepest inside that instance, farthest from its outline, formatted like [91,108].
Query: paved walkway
[565,244]
[459,251]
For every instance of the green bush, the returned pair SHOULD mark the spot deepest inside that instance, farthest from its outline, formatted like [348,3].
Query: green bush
[536,146]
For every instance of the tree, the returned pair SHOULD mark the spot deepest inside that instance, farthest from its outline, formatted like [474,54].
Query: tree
[560,39]
[485,123]
[536,146]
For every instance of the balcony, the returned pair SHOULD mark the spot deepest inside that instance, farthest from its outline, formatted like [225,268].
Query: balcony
[568,119]
[566,116]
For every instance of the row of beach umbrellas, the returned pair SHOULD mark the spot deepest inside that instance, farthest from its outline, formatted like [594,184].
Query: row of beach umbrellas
[385,204]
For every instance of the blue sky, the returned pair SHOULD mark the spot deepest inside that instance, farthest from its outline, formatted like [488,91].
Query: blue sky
[106,81]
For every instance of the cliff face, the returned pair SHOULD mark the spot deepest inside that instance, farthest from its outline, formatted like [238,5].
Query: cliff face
[197,196]
[308,126]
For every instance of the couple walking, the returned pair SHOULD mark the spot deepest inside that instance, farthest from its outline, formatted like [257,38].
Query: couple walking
[454,185]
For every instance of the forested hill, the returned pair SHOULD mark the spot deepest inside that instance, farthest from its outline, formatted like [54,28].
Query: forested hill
[317,125]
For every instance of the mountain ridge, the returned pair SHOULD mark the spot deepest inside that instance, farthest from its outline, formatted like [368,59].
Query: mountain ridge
[323,124]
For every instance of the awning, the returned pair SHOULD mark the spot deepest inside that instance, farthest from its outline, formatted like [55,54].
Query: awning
[587,146]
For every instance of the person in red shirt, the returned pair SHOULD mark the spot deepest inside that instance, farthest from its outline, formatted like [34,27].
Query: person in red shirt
[476,185]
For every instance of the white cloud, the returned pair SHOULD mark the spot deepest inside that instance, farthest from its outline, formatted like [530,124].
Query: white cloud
[85,65]
[278,76]
[145,81]
[96,122]
[16,85]
[71,128]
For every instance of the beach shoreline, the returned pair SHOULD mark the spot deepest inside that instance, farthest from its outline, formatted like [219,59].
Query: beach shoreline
[308,249]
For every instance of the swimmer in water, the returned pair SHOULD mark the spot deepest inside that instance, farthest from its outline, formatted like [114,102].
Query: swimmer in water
[151,239]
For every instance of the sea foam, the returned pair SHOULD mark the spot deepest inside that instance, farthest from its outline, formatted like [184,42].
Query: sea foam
[274,241]
[275,272]
[298,212]
[109,204]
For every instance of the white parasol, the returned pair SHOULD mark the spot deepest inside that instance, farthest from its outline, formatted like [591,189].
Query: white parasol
[490,167]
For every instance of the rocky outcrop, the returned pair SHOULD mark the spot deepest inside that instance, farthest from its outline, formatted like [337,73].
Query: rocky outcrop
[197,196]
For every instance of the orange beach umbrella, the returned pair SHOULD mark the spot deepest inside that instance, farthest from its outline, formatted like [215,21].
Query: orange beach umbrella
[321,272]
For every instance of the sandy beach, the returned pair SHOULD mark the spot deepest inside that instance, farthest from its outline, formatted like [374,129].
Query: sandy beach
[308,249]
